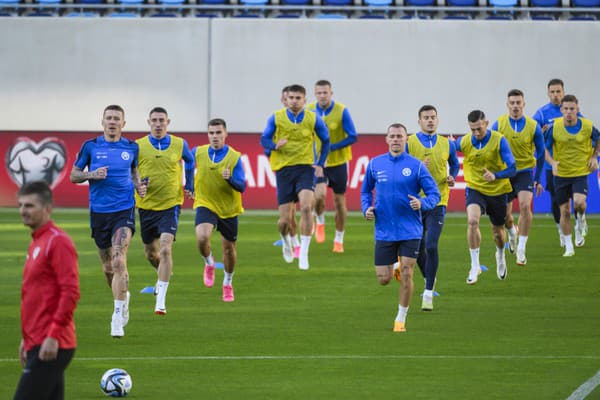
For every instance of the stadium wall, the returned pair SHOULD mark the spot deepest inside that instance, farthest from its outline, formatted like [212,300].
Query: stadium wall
[50,156]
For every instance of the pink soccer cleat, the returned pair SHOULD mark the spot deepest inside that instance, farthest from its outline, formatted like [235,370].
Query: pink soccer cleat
[228,293]
[209,275]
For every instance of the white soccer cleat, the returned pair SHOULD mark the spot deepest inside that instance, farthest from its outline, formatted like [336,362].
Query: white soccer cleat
[512,243]
[501,270]
[288,250]
[473,275]
[562,239]
[579,237]
[569,253]
[116,326]
[521,259]
[303,262]
[125,311]
[584,227]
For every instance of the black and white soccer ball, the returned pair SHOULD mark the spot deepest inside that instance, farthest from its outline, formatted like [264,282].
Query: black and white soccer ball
[116,382]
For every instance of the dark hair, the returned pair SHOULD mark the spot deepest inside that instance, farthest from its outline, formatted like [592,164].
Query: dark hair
[427,107]
[114,107]
[216,122]
[476,115]
[285,89]
[158,110]
[297,88]
[41,188]
[569,98]
[397,125]
[323,82]
[556,81]
[515,92]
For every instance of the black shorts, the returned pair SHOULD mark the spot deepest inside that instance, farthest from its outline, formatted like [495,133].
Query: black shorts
[387,253]
[227,226]
[104,225]
[291,180]
[521,182]
[564,188]
[336,178]
[154,223]
[493,206]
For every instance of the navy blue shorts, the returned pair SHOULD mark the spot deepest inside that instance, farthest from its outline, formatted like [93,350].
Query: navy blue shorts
[565,187]
[291,180]
[550,183]
[154,223]
[521,182]
[227,226]
[104,225]
[387,253]
[336,178]
[493,206]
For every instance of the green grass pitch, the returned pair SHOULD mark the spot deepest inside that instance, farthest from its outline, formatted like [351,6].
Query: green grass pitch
[327,333]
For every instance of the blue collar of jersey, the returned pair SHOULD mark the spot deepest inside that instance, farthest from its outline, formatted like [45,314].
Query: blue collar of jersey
[327,110]
[427,140]
[163,142]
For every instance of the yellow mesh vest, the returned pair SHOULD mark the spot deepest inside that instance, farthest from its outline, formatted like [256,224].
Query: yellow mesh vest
[164,169]
[336,134]
[521,143]
[211,190]
[438,162]
[488,157]
[301,137]
[572,150]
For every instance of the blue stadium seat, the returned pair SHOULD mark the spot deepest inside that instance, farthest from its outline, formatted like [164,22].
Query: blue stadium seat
[337,2]
[122,14]
[330,16]
[296,2]
[503,3]
[462,3]
[254,2]
[420,2]
[82,14]
[171,2]
[545,3]
[586,3]
[543,17]
[89,1]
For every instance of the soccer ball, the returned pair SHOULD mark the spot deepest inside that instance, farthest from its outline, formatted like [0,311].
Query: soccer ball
[116,382]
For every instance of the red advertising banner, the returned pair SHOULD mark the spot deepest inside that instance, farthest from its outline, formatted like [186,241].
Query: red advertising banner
[50,156]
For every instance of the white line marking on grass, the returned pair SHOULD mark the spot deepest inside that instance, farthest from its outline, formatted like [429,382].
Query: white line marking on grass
[586,388]
[331,357]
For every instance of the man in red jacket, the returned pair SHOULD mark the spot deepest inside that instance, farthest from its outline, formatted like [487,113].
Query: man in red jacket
[48,299]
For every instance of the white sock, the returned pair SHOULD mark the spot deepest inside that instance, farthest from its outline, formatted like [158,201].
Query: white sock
[304,244]
[320,218]
[119,304]
[475,258]
[396,265]
[522,242]
[402,311]
[568,242]
[339,236]
[512,232]
[209,260]
[560,232]
[428,293]
[500,252]
[295,241]
[227,278]
[161,294]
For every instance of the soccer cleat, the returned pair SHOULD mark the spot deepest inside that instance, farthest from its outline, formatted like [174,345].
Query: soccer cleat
[338,247]
[288,251]
[512,243]
[116,327]
[399,326]
[569,253]
[125,313]
[427,303]
[579,236]
[397,273]
[320,233]
[501,270]
[160,311]
[209,275]
[473,275]
[228,293]
[296,251]
[521,259]
[562,240]
[303,262]
[584,227]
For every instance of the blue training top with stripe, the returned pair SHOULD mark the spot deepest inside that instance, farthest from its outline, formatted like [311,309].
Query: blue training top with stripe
[115,193]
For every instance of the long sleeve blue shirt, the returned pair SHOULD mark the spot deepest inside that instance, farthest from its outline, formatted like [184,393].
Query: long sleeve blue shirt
[538,140]
[428,141]
[266,140]
[189,161]
[505,154]
[237,180]
[571,129]
[393,179]
[347,125]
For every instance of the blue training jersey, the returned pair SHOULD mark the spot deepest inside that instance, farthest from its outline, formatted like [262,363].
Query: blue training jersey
[115,193]
[393,179]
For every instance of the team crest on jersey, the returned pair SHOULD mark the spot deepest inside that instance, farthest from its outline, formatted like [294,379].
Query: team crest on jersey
[125,155]
[406,172]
